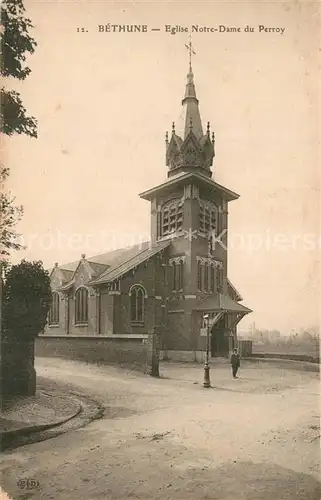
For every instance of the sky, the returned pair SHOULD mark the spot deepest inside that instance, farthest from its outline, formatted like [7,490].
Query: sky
[104,100]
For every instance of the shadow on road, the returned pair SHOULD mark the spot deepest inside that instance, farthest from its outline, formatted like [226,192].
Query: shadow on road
[246,480]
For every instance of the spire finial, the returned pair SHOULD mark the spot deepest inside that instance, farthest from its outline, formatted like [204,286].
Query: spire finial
[213,137]
[173,127]
[166,137]
[208,128]
[191,51]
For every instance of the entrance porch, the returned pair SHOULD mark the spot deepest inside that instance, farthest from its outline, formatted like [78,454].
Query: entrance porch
[224,315]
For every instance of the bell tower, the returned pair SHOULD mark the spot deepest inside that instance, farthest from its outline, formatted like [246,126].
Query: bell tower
[189,208]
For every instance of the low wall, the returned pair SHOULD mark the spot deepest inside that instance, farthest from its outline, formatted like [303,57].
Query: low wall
[311,349]
[245,348]
[289,363]
[294,357]
[126,352]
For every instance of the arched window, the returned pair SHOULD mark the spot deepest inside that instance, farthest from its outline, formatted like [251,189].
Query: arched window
[81,305]
[137,303]
[54,310]
[171,217]
[208,217]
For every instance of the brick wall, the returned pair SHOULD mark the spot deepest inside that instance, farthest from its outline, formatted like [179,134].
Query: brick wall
[130,353]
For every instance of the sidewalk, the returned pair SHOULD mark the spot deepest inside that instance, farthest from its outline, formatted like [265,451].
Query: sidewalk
[46,409]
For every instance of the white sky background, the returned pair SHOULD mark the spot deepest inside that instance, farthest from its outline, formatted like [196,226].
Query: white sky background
[104,101]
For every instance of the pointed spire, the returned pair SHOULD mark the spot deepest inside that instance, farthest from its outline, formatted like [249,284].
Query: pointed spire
[190,101]
[190,150]
[190,86]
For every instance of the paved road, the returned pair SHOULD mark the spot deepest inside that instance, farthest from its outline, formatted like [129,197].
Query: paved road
[254,438]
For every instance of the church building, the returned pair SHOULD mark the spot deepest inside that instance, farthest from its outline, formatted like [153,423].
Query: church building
[173,280]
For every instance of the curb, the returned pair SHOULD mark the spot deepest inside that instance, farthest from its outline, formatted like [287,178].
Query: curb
[7,436]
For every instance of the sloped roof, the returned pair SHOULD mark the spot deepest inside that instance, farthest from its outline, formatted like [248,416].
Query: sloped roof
[186,177]
[71,267]
[110,258]
[67,286]
[220,302]
[97,267]
[235,290]
[227,304]
[117,270]
[111,265]
[67,273]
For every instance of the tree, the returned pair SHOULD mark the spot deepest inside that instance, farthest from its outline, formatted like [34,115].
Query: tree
[15,42]
[27,300]
[10,215]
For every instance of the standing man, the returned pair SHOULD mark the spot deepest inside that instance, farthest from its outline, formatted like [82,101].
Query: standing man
[235,362]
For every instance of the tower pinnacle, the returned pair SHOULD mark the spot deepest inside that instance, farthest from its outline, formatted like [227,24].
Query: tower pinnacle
[192,149]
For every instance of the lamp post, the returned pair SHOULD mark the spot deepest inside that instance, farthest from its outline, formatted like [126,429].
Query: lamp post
[207,381]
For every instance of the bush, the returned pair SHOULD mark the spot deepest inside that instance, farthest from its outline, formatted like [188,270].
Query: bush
[27,300]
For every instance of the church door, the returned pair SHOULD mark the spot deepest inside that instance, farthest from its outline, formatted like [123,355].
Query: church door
[219,340]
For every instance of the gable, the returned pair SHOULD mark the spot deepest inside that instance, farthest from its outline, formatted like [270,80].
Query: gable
[191,151]
[56,278]
[82,274]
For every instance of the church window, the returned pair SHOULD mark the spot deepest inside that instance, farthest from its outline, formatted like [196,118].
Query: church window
[137,303]
[219,223]
[199,275]
[212,278]
[172,217]
[174,276]
[208,217]
[220,279]
[164,274]
[206,276]
[181,275]
[81,305]
[115,286]
[178,274]
[54,310]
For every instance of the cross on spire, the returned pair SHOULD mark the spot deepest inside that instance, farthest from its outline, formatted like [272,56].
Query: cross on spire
[191,51]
